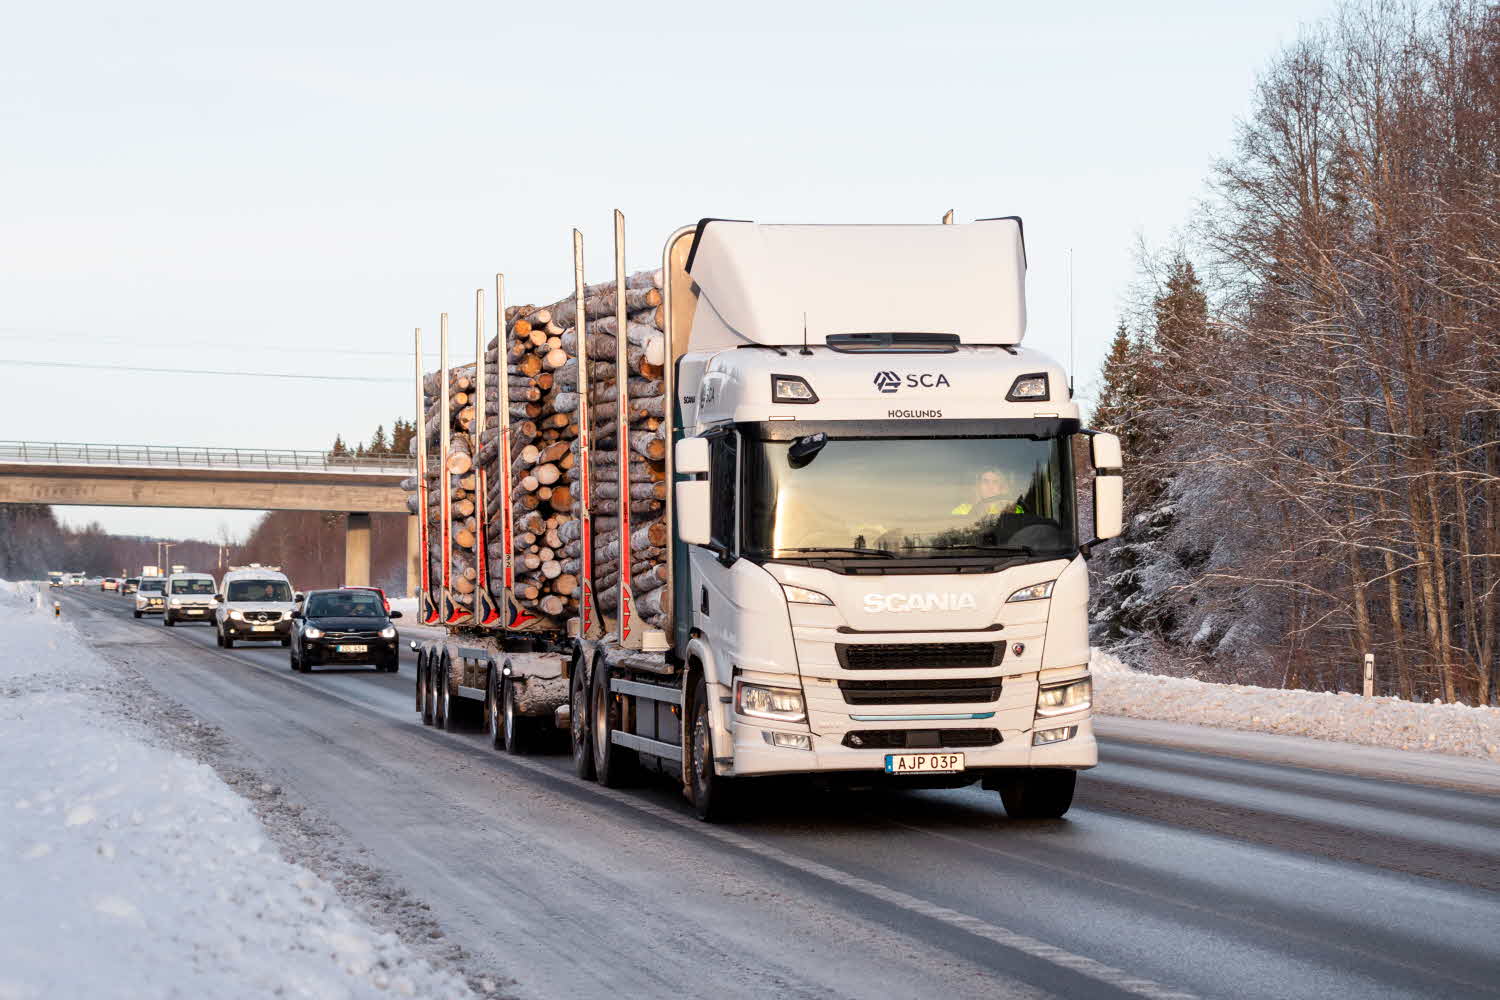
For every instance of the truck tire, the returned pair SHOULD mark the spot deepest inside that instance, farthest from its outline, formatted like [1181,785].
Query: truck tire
[440,682]
[517,732]
[425,699]
[492,706]
[1040,793]
[578,710]
[713,795]
[613,765]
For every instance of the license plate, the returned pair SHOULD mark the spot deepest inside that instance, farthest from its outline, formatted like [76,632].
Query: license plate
[919,763]
[263,628]
[353,649]
[193,611]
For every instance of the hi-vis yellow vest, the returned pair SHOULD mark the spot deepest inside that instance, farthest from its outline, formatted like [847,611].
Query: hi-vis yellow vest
[990,508]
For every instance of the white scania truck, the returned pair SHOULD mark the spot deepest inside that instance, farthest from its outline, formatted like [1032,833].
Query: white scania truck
[877,565]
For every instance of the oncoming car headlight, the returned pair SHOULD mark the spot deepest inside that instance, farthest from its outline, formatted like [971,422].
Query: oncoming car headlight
[1065,697]
[312,633]
[761,702]
[238,616]
[389,632]
[1035,592]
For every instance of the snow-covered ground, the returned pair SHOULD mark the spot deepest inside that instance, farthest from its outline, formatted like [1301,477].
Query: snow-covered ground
[127,869]
[1382,722]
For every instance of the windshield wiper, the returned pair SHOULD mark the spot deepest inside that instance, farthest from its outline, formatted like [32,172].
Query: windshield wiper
[846,551]
[1016,550]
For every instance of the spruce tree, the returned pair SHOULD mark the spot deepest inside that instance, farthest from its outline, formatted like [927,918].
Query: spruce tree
[378,446]
[339,450]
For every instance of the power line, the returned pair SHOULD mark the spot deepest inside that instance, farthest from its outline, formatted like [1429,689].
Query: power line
[202,371]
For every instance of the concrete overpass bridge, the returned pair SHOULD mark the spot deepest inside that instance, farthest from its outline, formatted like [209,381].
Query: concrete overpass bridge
[120,475]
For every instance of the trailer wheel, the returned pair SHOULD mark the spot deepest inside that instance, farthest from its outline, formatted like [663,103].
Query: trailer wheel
[440,678]
[516,730]
[425,701]
[613,765]
[1040,793]
[713,794]
[578,710]
[421,680]
[492,707]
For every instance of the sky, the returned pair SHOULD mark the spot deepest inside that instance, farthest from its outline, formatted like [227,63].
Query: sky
[291,188]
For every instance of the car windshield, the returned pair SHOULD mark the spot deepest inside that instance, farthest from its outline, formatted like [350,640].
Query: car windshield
[258,590]
[151,584]
[192,586]
[883,498]
[345,604]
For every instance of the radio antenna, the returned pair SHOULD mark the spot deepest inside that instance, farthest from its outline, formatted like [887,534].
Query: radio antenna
[805,349]
[1072,342]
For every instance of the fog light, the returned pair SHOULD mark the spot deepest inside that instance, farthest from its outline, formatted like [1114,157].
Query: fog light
[1047,736]
[791,741]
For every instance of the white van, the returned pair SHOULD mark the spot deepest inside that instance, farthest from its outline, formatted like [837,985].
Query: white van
[189,597]
[255,604]
[150,596]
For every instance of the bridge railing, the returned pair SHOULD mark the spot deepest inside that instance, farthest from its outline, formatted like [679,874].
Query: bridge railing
[187,456]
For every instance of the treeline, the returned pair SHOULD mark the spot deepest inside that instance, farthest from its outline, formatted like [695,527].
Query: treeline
[1313,417]
[33,542]
[400,442]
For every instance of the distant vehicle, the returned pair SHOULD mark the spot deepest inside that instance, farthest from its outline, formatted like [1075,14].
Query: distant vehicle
[178,569]
[189,597]
[347,626]
[151,597]
[255,603]
[384,601]
[131,585]
[74,579]
[55,577]
[109,583]
[151,571]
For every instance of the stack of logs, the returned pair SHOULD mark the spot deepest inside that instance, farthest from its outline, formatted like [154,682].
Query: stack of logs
[541,353]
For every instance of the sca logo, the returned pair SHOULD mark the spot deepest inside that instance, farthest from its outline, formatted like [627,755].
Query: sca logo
[890,381]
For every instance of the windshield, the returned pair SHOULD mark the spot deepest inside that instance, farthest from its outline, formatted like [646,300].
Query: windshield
[258,590]
[909,497]
[151,584]
[192,586]
[345,604]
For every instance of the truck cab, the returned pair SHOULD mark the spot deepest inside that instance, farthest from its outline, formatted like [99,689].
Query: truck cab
[882,567]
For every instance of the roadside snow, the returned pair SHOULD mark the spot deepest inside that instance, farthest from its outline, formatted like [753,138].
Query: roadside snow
[129,869]
[1349,718]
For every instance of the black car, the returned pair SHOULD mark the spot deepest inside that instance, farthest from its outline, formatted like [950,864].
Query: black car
[341,627]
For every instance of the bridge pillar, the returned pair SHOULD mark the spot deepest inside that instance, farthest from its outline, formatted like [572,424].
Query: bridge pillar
[413,556]
[357,551]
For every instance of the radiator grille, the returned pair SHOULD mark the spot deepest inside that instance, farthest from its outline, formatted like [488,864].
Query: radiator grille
[932,691]
[920,655]
[920,739]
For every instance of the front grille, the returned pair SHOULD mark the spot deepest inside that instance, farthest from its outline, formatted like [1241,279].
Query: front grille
[933,691]
[919,655]
[351,636]
[262,616]
[920,739]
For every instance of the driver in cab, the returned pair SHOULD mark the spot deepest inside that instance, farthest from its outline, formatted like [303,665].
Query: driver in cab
[989,497]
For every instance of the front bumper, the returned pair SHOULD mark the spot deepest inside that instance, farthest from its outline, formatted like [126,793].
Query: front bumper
[149,609]
[252,631]
[753,755]
[191,613]
[325,651]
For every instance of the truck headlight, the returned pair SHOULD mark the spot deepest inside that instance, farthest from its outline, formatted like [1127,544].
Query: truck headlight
[312,633]
[801,595]
[238,616]
[1035,592]
[761,702]
[791,389]
[389,632]
[1069,696]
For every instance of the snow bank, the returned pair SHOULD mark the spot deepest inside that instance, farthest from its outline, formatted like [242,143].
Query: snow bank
[1349,718]
[130,870]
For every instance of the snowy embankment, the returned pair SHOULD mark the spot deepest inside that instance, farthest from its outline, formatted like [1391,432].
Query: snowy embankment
[1349,718]
[129,869]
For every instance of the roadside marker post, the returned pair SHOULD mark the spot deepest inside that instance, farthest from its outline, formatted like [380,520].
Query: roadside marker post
[1369,675]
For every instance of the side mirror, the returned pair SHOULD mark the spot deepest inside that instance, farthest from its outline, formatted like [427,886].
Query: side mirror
[692,510]
[297,616]
[1109,487]
[297,598]
[395,614]
[219,598]
[1105,450]
[691,456]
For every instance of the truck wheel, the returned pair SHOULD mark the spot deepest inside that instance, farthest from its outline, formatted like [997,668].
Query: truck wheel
[425,701]
[440,681]
[516,730]
[492,706]
[613,764]
[578,710]
[1042,793]
[712,794]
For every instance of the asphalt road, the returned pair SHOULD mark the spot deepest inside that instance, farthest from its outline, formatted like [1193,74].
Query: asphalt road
[1176,873]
